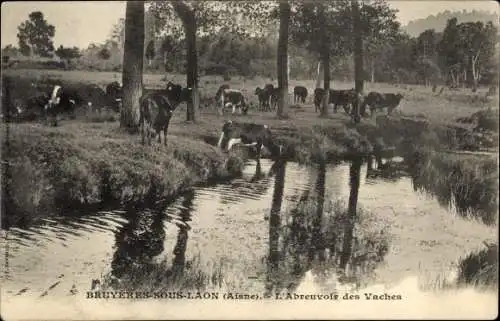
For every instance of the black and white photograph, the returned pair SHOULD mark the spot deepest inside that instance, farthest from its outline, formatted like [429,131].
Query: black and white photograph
[225,160]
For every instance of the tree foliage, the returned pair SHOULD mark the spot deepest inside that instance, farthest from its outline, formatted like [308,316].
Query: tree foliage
[68,53]
[35,35]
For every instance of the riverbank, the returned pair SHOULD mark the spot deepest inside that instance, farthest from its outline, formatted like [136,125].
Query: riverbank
[49,169]
[89,161]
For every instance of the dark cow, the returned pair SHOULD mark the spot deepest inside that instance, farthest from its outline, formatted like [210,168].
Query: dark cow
[336,98]
[377,100]
[61,100]
[299,94]
[318,98]
[275,94]
[95,98]
[248,134]
[114,91]
[343,98]
[156,108]
[269,89]
[263,97]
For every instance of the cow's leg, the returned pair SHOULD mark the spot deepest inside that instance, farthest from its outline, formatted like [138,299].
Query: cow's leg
[219,143]
[259,148]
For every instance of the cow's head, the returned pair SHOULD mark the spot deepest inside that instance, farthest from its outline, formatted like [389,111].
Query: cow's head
[174,92]
[258,90]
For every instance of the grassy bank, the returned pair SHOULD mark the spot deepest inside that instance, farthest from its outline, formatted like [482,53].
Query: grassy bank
[469,183]
[47,169]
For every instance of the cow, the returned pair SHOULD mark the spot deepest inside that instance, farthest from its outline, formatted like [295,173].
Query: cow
[95,97]
[219,97]
[248,134]
[336,97]
[343,98]
[61,100]
[156,108]
[114,91]
[231,98]
[299,94]
[263,97]
[270,90]
[275,94]
[377,100]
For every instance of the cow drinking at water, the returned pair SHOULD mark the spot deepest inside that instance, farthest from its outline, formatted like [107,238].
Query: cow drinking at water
[248,134]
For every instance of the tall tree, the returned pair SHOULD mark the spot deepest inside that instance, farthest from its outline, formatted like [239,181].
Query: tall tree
[68,53]
[450,52]
[205,17]
[282,63]
[133,64]
[358,58]
[35,35]
[187,16]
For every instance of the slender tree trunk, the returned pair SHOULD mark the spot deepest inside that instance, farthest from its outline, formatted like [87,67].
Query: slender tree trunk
[189,23]
[319,75]
[282,62]
[358,60]
[325,58]
[372,70]
[133,64]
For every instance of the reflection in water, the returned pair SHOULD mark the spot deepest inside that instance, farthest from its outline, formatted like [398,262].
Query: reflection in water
[274,226]
[179,260]
[354,173]
[138,241]
[320,238]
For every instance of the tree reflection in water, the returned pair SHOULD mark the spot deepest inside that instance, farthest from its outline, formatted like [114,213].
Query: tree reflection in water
[143,237]
[320,237]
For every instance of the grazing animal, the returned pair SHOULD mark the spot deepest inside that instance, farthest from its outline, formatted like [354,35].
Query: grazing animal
[336,97]
[299,94]
[61,100]
[248,134]
[377,100]
[95,97]
[269,89]
[343,98]
[156,108]
[263,97]
[114,91]
[318,98]
[231,98]
[274,98]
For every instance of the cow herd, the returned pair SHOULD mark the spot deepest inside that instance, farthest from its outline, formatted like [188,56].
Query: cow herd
[49,100]
[156,107]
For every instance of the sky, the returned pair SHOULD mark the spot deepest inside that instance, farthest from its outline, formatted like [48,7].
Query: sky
[79,23]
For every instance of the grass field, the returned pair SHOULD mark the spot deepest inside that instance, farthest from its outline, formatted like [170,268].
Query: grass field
[417,101]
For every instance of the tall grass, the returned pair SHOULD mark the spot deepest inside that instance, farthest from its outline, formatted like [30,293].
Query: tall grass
[470,184]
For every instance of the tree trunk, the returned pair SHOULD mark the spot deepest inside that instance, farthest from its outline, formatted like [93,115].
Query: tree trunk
[358,60]
[372,70]
[317,245]
[133,64]
[319,75]
[189,23]
[325,59]
[282,62]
